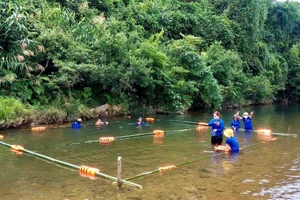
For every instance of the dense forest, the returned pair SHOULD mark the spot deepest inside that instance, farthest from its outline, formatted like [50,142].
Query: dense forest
[59,58]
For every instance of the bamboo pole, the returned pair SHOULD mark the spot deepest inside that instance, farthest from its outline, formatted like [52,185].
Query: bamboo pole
[119,171]
[184,163]
[71,165]
[197,123]
[278,134]
[140,135]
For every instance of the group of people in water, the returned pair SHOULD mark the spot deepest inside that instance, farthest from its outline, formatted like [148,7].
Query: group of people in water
[218,130]
[77,123]
[217,125]
[99,122]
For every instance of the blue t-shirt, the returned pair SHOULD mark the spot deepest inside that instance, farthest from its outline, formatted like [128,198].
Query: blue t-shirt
[247,123]
[236,124]
[76,125]
[234,144]
[214,126]
[142,124]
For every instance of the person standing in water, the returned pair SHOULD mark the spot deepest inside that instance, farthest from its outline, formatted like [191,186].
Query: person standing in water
[100,122]
[217,126]
[77,124]
[247,119]
[140,122]
[235,123]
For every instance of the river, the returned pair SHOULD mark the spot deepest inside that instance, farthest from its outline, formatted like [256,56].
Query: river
[266,168]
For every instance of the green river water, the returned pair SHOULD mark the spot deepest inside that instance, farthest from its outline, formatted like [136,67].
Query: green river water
[265,169]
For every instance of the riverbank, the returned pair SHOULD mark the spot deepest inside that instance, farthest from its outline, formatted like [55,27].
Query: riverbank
[14,114]
[17,115]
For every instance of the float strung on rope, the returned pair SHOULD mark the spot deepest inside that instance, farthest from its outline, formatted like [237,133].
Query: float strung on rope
[128,116]
[264,131]
[1,137]
[86,171]
[203,124]
[39,128]
[149,119]
[17,149]
[106,140]
[53,160]
[158,133]
[166,168]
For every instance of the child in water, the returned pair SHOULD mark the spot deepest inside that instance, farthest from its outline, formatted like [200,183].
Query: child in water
[232,144]
[235,123]
[247,119]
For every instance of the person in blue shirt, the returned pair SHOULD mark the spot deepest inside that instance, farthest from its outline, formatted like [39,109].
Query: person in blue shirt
[232,144]
[140,122]
[235,123]
[247,119]
[77,124]
[217,126]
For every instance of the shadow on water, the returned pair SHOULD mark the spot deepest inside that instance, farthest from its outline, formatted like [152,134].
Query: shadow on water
[265,168]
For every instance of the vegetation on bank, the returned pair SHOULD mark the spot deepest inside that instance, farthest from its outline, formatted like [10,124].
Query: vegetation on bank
[61,57]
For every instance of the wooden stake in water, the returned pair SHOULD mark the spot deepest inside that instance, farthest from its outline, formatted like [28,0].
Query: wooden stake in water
[76,167]
[119,171]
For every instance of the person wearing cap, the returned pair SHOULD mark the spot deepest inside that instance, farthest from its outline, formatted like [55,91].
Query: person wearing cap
[140,122]
[77,124]
[247,119]
[235,123]
[232,144]
[217,126]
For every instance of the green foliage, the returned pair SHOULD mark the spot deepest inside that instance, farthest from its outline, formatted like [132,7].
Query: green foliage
[12,109]
[293,86]
[51,115]
[227,69]
[259,90]
[147,55]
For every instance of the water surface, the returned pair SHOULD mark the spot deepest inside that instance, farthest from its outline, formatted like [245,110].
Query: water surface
[265,169]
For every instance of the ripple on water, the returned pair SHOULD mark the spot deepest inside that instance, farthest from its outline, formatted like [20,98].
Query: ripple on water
[263,181]
[285,189]
[248,181]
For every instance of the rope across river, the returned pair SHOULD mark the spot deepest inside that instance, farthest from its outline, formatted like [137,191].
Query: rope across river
[83,170]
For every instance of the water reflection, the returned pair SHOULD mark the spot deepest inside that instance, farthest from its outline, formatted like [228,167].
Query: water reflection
[289,189]
[236,134]
[247,137]
[223,162]
[254,170]
[158,139]
[265,137]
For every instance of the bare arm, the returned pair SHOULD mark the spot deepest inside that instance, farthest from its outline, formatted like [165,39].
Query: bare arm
[251,114]
[238,114]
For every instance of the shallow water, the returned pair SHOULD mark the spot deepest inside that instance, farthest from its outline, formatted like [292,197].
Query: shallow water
[265,169]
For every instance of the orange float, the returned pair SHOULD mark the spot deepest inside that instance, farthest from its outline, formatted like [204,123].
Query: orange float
[203,124]
[264,131]
[167,168]
[86,171]
[17,149]
[1,137]
[149,119]
[106,140]
[38,128]
[158,133]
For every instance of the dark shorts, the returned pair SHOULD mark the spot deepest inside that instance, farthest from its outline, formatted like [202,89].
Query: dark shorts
[217,140]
